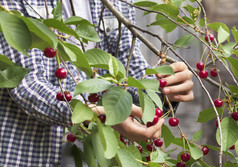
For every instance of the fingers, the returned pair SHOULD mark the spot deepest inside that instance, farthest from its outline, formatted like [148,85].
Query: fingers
[189,96]
[136,111]
[154,132]
[183,87]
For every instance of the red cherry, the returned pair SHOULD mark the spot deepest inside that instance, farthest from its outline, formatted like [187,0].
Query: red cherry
[122,139]
[158,142]
[60,73]
[211,36]
[185,157]
[59,96]
[232,147]
[158,112]
[213,72]
[203,74]
[71,137]
[102,118]
[94,97]
[147,158]
[162,82]
[234,115]
[149,147]
[140,148]
[49,52]
[181,164]
[205,150]
[148,124]
[68,96]
[200,66]
[155,120]
[218,102]
[173,121]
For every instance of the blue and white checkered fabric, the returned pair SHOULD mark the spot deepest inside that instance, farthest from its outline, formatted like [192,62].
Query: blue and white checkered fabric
[31,119]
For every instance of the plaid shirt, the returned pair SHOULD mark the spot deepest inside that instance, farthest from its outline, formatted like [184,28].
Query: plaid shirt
[31,119]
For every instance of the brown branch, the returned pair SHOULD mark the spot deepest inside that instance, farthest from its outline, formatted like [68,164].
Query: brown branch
[130,55]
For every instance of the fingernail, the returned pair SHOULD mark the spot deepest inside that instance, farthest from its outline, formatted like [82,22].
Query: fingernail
[176,97]
[166,90]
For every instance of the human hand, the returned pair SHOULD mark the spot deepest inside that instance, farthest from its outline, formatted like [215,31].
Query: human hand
[179,86]
[135,131]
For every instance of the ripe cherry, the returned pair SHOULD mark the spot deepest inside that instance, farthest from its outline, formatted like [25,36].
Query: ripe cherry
[140,148]
[49,52]
[147,158]
[232,147]
[102,118]
[155,120]
[213,72]
[149,147]
[205,150]
[59,96]
[71,137]
[94,97]
[181,164]
[148,124]
[200,66]
[158,112]
[68,96]
[185,157]
[122,139]
[203,74]
[162,82]
[234,115]
[173,121]
[211,36]
[218,102]
[60,73]
[158,142]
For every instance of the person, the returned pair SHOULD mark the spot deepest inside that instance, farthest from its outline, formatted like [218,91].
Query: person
[32,119]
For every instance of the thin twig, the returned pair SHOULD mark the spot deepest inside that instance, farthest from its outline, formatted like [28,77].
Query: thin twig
[130,55]
[46,9]
[118,40]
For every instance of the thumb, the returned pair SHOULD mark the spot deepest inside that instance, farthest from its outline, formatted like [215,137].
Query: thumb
[136,111]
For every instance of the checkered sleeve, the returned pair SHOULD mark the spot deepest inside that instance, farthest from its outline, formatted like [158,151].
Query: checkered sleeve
[36,94]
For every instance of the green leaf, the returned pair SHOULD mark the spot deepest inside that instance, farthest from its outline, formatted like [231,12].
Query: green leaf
[228,48]
[86,31]
[12,76]
[57,11]
[235,33]
[229,133]
[234,65]
[42,31]
[81,61]
[197,135]
[208,114]
[147,106]
[222,35]
[66,53]
[81,112]
[92,86]
[134,83]
[59,25]
[126,159]
[167,135]
[117,103]
[37,42]
[77,154]
[135,152]
[100,59]
[88,152]
[108,140]
[184,41]
[155,97]
[5,62]
[99,150]
[196,153]
[113,67]
[158,156]
[163,70]
[145,3]
[234,90]
[194,12]
[230,164]
[186,20]
[165,23]
[75,20]
[215,26]
[168,9]
[15,32]
[177,3]
[150,84]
